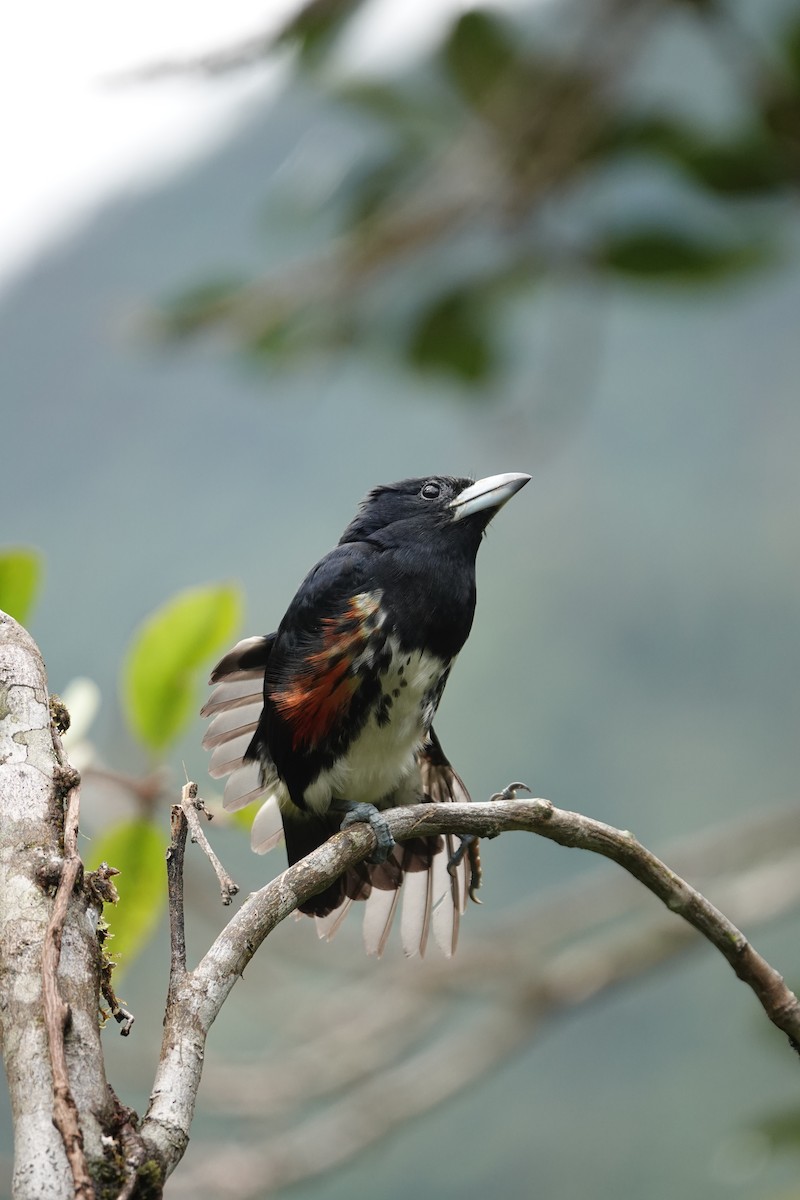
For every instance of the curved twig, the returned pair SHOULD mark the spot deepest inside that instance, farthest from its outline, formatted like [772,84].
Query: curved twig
[198,998]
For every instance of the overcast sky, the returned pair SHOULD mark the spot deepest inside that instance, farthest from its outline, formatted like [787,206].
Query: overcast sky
[71,138]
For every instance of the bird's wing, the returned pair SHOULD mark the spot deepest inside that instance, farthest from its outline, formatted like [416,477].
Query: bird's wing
[327,648]
[312,686]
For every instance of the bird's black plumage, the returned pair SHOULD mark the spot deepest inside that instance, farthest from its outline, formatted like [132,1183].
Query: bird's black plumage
[336,707]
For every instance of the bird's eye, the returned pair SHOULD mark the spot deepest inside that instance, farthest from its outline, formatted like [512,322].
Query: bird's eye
[430,491]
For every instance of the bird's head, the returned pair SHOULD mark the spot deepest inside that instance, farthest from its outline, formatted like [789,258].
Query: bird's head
[433,504]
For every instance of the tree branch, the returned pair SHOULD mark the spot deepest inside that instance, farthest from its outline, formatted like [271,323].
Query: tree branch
[192,806]
[752,865]
[56,1011]
[177,926]
[518,1000]
[197,999]
[38,857]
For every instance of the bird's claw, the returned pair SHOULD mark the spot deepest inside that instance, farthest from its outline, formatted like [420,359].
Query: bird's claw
[355,813]
[509,792]
[469,844]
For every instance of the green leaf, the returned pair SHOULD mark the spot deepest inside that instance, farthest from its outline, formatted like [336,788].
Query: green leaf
[791,46]
[478,55]
[780,111]
[664,255]
[392,104]
[782,1128]
[278,339]
[136,848]
[314,28]
[749,163]
[451,337]
[194,310]
[20,575]
[159,676]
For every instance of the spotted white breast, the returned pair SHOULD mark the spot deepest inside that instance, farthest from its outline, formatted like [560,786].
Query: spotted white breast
[384,751]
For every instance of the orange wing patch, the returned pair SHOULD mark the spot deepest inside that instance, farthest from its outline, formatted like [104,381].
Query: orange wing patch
[319,697]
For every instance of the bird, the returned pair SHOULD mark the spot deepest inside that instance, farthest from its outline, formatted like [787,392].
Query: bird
[329,720]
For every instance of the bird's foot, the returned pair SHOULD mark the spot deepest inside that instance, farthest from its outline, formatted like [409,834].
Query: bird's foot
[375,819]
[509,792]
[469,845]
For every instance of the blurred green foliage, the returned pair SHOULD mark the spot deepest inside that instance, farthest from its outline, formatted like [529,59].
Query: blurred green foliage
[452,335]
[159,689]
[315,27]
[159,685]
[782,1129]
[20,579]
[672,256]
[511,119]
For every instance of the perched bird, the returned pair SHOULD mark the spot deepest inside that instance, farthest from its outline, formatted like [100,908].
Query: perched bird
[331,717]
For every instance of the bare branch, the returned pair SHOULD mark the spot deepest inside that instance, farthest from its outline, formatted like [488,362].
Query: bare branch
[177,927]
[752,858]
[530,991]
[147,789]
[192,805]
[196,1000]
[244,53]
[56,1011]
[574,830]
[34,784]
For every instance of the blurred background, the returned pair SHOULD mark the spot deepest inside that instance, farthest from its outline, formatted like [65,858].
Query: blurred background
[252,268]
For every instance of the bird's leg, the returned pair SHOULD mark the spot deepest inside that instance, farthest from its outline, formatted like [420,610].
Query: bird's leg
[469,844]
[457,857]
[374,818]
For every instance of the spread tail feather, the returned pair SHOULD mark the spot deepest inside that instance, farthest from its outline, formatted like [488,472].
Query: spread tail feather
[235,707]
[243,787]
[328,926]
[416,917]
[230,723]
[267,829]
